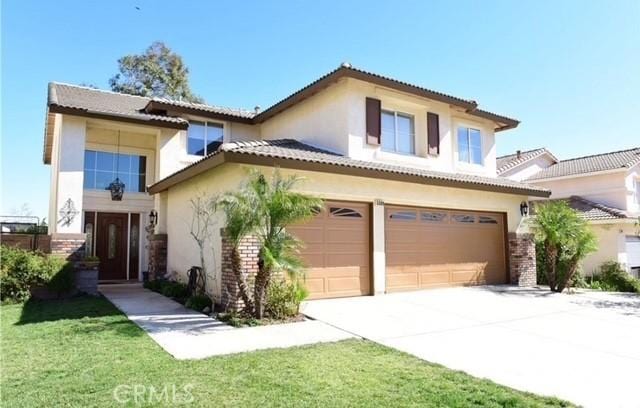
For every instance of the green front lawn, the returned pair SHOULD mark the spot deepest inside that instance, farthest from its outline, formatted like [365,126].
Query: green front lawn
[76,352]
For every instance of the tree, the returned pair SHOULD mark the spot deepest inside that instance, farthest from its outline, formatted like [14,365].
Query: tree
[566,240]
[264,209]
[201,227]
[158,72]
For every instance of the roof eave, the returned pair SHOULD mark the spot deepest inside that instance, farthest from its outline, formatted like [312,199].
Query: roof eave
[614,221]
[155,105]
[570,176]
[271,161]
[54,108]
[470,107]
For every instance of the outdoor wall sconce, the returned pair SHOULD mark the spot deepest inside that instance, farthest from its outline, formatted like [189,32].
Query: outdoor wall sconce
[153,218]
[524,209]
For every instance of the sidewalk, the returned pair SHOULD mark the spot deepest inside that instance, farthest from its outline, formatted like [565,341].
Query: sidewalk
[187,334]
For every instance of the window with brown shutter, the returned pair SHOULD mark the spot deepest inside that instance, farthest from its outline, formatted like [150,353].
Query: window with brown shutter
[374,123]
[433,133]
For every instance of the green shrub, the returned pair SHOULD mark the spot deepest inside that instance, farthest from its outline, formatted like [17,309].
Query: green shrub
[175,290]
[283,299]
[22,270]
[198,302]
[154,285]
[238,320]
[61,275]
[614,278]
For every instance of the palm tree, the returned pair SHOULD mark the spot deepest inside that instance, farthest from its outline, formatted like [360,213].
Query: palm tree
[240,222]
[265,208]
[566,240]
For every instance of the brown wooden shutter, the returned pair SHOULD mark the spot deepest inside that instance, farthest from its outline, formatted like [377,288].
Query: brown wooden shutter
[374,121]
[433,133]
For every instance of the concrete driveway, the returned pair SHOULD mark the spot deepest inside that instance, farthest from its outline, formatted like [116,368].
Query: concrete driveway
[581,347]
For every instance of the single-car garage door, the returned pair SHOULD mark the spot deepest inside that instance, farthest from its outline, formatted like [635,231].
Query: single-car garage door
[433,247]
[337,250]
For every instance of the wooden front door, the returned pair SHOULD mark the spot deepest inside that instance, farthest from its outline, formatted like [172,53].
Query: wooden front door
[111,245]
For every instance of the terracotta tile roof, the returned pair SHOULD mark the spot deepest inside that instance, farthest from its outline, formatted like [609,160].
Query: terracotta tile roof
[292,150]
[590,210]
[89,100]
[223,110]
[92,100]
[346,70]
[622,159]
[504,163]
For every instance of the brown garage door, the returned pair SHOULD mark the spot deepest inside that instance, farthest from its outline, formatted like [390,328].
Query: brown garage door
[337,251]
[434,247]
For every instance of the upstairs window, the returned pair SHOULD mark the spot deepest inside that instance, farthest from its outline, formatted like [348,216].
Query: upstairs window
[101,168]
[397,132]
[203,138]
[469,145]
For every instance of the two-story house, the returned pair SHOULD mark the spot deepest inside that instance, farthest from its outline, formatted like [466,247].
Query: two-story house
[603,188]
[408,175]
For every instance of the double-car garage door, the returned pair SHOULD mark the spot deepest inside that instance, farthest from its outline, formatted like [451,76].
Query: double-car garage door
[433,247]
[424,248]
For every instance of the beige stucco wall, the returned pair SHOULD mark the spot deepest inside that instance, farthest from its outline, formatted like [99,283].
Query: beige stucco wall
[68,164]
[335,119]
[418,107]
[608,188]
[611,245]
[528,169]
[183,252]
[319,121]
[632,185]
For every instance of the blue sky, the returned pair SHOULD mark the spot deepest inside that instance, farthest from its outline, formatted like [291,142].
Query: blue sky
[569,70]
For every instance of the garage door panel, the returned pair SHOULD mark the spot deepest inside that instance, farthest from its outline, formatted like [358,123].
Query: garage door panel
[444,248]
[337,250]
[347,235]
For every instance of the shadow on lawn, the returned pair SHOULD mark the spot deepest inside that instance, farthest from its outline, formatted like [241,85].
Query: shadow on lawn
[88,315]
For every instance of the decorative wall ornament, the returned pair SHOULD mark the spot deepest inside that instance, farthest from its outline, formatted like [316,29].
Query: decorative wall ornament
[67,213]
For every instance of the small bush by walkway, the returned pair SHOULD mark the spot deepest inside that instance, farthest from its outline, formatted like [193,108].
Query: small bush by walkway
[77,352]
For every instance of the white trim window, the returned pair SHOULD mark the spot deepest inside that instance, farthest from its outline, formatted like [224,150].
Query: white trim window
[469,145]
[204,138]
[101,168]
[398,132]
[637,190]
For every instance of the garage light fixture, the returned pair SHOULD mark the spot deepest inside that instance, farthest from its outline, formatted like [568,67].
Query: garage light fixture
[524,209]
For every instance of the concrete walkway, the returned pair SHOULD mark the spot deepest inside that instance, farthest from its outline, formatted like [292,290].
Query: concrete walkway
[582,347]
[187,334]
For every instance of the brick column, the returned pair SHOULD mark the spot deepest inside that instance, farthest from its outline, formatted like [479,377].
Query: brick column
[249,248]
[522,259]
[157,256]
[68,246]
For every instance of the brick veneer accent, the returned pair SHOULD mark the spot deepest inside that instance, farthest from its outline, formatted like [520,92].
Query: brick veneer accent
[157,256]
[249,248]
[522,259]
[68,246]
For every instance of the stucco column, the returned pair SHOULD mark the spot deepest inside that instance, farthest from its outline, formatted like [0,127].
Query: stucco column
[70,173]
[379,258]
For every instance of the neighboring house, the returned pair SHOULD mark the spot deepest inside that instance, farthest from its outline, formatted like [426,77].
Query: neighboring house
[408,174]
[603,188]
